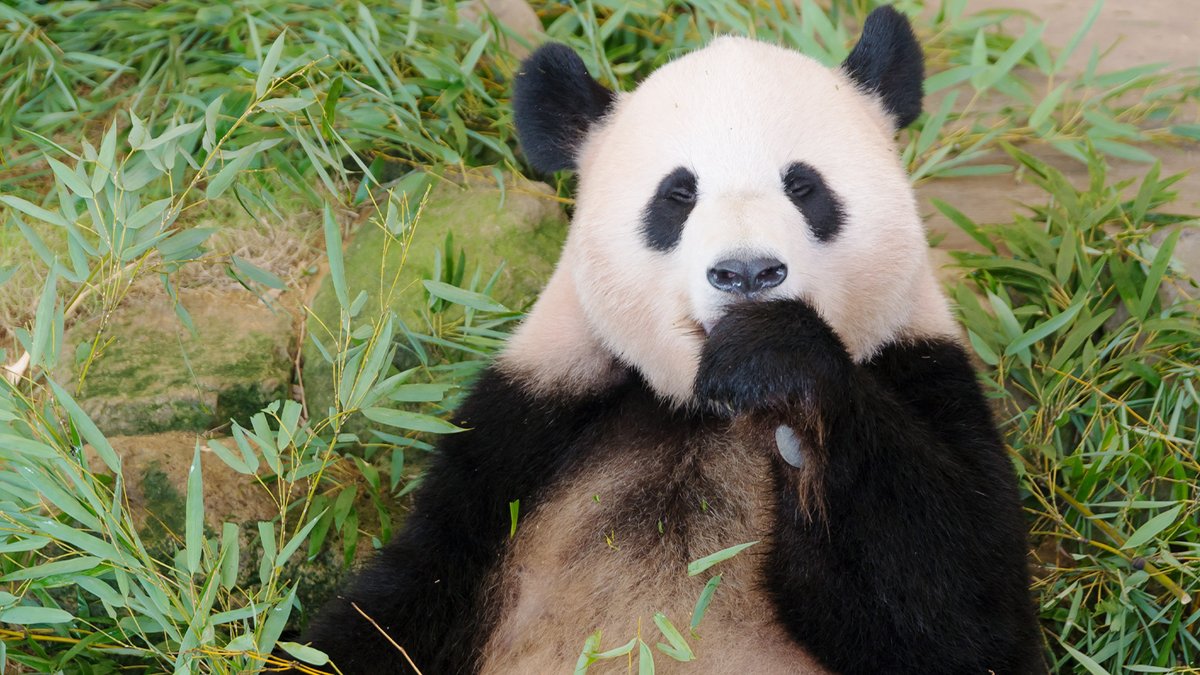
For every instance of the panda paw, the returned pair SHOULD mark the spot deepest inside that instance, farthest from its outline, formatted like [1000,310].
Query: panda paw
[775,355]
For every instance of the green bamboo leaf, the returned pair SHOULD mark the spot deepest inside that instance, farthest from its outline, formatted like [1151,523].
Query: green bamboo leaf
[1080,32]
[586,655]
[294,544]
[54,569]
[616,652]
[1151,528]
[419,393]
[266,71]
[105,160]
[697,566]
[230,555]
[679,648]
[965,224]
[68,177]
[257,274]
[275,622]
[645,659]
[412,421]
[285,105]
[88,429]
[171,134]
[43,319]
[329,107]
[1123,150]
[33,210]
[1009,59]
[25,616]
[985,352]
[231,460]
[1047,106]
[702,603]
[266,537]
[212,115]
[333,253]
[194,513]
[514,508]
[1084,660]
[948,78]
[147,214]
[1043,329]
[461,296]
[1154,275]
[219,183]
[473,54]
[305,653]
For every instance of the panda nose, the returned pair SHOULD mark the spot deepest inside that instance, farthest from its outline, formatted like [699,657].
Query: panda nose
[746,277]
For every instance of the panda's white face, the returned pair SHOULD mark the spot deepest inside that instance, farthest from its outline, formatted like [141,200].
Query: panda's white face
[741,172]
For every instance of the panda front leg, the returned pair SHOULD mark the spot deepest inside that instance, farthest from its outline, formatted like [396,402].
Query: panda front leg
[899,545]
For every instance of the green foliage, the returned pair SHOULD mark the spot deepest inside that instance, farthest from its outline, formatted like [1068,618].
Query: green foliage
[1093,343]
[119,122]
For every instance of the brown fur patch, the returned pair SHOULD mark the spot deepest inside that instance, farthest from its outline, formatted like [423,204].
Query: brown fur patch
[610,548]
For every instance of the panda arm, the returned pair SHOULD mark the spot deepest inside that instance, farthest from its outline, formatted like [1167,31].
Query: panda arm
[899,544]
[425,587]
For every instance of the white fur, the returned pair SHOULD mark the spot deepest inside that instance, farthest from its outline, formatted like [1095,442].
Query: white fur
[735,113]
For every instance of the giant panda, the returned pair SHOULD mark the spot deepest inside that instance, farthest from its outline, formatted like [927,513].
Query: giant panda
[743,341]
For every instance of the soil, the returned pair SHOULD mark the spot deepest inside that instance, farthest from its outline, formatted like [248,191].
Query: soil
[1132,34]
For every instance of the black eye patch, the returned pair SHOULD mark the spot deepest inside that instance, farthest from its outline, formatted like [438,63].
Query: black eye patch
[668,210]
[820,206]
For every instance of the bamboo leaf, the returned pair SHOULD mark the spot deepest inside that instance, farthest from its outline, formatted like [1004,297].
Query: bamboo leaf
[1151,528]
[194,514]
[33,210]
[697,566]
[460,296]
[25,615]
[1043,329]
[410,420]
[266,71]
[305,653]
[333,253]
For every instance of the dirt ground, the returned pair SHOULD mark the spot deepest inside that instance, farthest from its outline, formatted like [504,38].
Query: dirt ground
[1132,33]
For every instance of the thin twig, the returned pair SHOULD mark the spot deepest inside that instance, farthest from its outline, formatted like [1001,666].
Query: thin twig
[389,637]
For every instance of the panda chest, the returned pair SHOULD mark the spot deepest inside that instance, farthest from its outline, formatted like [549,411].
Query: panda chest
[609,545]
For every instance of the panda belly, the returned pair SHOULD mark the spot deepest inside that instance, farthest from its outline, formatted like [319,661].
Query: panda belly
[609,547]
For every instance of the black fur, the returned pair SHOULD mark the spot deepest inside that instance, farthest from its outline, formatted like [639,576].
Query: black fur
[822,209]
[425,588]
[888,62]
[668,210]
[914,562]
[555,100]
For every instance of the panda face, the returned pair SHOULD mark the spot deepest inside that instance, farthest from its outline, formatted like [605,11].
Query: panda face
[741,172]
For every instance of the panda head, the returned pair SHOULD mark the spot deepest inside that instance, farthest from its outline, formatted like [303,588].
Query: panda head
[742,171]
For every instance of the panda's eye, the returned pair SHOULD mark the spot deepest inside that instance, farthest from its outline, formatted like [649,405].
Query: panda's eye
[682,194]
[669,209]
[797,186]
[808,191]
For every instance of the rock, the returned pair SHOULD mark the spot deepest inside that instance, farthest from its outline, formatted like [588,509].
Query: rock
[155,376]
[515,15]
[523,228]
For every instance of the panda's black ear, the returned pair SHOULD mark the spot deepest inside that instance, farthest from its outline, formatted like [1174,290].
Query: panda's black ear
[888,62]
[555,100]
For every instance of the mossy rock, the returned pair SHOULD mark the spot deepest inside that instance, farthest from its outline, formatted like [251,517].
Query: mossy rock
[521,227]
[154,376]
